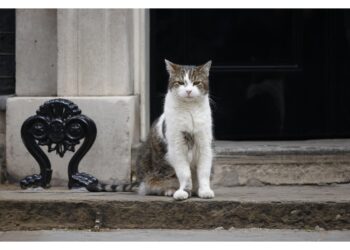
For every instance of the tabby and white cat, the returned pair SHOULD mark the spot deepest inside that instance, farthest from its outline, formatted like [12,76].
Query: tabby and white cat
[176,158]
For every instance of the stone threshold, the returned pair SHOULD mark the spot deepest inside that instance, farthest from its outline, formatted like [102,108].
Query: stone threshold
[301,147]
[257,163]
[283,207]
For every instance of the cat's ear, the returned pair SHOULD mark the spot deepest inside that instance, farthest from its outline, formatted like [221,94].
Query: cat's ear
[205,67]
[170,67]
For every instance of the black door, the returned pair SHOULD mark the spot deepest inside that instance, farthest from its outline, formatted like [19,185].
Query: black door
[276,74]
[7,51]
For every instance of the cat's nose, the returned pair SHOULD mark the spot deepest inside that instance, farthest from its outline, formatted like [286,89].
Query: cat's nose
[188,92]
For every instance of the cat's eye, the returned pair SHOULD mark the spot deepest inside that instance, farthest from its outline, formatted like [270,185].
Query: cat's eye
[197,83]
[180,83]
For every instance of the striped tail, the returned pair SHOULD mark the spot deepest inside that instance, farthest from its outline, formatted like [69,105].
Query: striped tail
[122,187]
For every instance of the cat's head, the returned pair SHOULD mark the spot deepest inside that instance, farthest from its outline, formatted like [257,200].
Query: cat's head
[188,83]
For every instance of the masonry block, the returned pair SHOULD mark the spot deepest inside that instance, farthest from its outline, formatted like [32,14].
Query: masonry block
[109,159]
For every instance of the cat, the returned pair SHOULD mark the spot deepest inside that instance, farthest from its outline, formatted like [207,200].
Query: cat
[176,158]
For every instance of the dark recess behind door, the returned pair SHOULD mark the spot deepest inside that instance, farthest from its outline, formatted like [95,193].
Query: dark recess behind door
[7,51]
[277,74]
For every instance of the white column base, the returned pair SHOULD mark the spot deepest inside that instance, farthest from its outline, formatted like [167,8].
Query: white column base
[109,159]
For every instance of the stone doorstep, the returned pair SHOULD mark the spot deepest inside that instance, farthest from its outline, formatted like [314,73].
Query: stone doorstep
[301,147]
[283,207]
[281,170]
[281,162]
[259,163]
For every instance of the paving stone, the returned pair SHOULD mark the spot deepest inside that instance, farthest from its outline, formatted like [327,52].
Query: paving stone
[284,207]
[253,234]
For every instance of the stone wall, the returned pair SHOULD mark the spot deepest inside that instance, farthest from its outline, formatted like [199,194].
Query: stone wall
[2,146]
[109,159]
[95,52]
[36,52]
[87,56]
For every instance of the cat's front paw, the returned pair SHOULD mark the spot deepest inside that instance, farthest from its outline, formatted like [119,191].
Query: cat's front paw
[180,195]
[170,192]
[206,193]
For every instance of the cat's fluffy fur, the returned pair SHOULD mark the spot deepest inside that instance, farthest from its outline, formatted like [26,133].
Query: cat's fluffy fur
[176,158]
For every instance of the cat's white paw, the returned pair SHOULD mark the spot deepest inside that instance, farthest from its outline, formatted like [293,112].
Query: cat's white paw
[169,192]
[180,195]
[206,193]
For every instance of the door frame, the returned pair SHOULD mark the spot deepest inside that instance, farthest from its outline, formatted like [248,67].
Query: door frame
[141,38]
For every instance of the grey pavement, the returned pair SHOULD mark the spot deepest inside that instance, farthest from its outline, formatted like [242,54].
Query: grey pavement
[302,193]
[254,234]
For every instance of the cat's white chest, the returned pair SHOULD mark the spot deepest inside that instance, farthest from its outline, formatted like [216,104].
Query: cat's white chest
[188,118]
[195,120]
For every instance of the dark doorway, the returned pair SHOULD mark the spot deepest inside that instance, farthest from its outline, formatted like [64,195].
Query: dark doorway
[277,74]
[7,51]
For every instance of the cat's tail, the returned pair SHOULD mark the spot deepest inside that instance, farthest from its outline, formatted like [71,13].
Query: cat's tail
[122,187]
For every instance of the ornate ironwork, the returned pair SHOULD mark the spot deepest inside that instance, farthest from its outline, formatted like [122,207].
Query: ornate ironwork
[59,125]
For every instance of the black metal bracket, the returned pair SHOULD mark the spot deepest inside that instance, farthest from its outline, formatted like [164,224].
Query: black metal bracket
[59,125]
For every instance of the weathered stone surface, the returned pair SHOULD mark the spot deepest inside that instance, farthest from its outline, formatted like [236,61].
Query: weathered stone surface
[36,52]
[3,171]
[151,235]
[305,207]
[2,127]
[315,162]
[301,147]
[280,163]
[95,52]
[109,158]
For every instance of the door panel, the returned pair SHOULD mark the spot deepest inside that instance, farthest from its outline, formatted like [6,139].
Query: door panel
[275,73]
[7,51]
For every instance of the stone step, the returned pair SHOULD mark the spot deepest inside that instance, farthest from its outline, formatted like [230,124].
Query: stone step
[283,207]
[281,162]
[149,235]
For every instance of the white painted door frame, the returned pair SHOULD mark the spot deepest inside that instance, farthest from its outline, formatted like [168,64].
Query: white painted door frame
[142,67]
